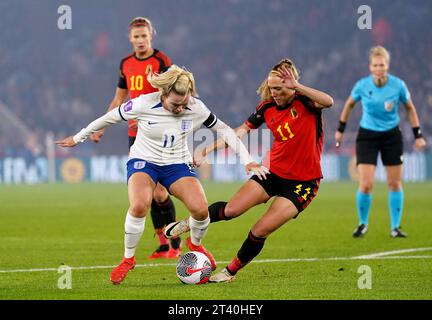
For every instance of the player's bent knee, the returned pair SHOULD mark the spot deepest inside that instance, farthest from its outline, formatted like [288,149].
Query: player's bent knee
[139,209]
[160,198]
[261,232]
[199,212]
[160,195]
[232,211]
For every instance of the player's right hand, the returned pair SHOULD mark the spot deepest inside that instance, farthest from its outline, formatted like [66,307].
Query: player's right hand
[97,136]
[66,142]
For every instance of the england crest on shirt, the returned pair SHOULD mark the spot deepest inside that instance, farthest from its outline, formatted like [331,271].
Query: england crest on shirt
[186,125]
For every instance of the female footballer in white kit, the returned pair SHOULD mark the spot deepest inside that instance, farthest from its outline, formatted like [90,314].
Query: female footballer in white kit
[160,154]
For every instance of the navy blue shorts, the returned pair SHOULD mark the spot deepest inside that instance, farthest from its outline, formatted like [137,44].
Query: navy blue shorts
[165,175]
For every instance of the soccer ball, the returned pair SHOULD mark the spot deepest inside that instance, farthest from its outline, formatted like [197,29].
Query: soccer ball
[193,268]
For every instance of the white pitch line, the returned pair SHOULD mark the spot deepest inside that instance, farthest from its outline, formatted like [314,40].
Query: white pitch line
[338,259]
[85,268]
[374,256]
[388,253]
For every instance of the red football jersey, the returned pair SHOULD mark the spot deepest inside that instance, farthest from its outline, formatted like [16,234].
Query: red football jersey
[298,137]
[133,75]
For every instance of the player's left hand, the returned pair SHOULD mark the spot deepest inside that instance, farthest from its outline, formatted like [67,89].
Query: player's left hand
[259,170]
[66,142]
[420,144]
[288,78]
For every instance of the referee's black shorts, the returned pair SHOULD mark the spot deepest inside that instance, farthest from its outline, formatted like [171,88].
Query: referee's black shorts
[389,143]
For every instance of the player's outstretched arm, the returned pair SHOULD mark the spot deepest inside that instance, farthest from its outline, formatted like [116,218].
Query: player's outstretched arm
[201,154]
[119,98]
[232,139]
[109,118]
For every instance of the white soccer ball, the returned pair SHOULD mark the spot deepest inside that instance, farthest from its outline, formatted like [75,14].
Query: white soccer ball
[193,268]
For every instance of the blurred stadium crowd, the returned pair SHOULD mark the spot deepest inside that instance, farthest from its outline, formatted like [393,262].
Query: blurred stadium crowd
[58,81]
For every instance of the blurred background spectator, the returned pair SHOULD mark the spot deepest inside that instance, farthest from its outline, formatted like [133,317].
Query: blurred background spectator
[54,80]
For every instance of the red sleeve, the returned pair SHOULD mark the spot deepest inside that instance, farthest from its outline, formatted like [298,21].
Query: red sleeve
[263,104]
[249,125]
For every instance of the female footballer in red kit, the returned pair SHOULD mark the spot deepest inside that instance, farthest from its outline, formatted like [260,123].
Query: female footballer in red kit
[292,112]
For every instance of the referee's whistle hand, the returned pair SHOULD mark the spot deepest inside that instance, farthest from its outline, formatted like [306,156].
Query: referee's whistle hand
[420,144]
[338,138]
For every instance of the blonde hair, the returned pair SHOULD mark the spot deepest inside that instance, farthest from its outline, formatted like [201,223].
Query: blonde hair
[175,79]
[379,51]
[263,90]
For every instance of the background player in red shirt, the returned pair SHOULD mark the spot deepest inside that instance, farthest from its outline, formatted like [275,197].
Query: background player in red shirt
[292,112]
[133,81]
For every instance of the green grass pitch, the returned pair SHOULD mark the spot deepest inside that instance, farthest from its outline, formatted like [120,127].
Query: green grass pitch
[43,227]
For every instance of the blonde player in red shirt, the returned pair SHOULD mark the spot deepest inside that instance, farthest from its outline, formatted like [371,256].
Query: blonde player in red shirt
[133,81]
[292,112]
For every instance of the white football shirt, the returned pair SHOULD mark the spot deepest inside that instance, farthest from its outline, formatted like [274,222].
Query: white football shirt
[162,135]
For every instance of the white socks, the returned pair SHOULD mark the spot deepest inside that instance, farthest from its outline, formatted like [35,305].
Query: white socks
[134,228]
[198,229]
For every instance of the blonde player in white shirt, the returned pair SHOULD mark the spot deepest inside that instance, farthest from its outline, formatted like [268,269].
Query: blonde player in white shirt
[160,154]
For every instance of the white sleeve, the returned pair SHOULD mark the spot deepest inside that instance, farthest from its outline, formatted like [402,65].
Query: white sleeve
[202,114]
[131,109]
[230,137]
[109,118]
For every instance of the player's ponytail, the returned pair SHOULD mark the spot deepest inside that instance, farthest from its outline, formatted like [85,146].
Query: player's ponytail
[175,79]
